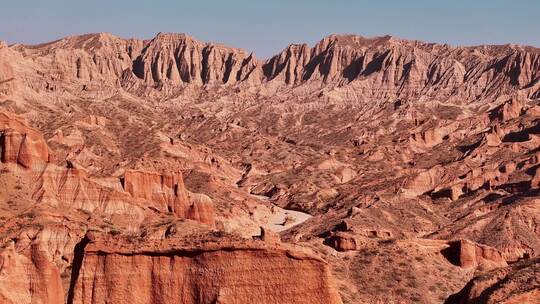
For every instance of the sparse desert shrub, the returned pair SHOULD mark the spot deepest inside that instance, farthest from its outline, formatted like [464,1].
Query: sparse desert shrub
[412,284]
[66,274]
[32,214]
[401,291]
[86,212]
[416,298]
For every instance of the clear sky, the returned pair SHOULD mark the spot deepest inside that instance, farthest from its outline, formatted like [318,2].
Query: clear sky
[265,27]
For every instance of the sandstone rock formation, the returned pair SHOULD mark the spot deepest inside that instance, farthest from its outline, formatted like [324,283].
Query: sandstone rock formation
[343,242]
[32,276]
[517,283]
[179,59]
[168,193]
[413,162]
[71,187]
[21,144]
[404,68]
[468,254]
[29,279]
[206,273]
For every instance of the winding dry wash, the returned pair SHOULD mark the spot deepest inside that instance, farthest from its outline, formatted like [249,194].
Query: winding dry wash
[359,170]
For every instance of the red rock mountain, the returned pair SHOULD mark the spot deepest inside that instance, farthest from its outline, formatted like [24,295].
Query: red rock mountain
[359,170]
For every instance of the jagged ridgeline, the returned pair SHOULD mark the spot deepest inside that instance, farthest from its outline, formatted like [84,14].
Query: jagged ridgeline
[382,67]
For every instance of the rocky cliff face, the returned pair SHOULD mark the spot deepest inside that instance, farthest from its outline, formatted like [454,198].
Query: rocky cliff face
[514,284]
[21,144]
[29,279]
[92,57]
[179,59]
[108,268]
[208,273]
[381,67]
[468,254]
[387,67]
[167,192]
[7,75]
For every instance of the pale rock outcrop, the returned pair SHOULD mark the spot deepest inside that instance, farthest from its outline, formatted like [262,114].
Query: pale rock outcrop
[90,57]
[200,208]
[535,182]
[493,139]
[72,188]
[179,59]
[430,137]
[289,65]
[166,190]
[21,144]
[168,193]
[510,109]
[424,181]
[7,77]
[453,192]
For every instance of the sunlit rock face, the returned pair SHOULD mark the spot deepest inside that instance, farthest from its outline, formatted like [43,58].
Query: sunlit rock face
[172,170]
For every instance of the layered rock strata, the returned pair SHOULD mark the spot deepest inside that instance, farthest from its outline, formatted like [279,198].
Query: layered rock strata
[164,272]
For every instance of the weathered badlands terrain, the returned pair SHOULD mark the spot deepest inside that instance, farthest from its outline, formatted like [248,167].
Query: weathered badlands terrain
[360,170]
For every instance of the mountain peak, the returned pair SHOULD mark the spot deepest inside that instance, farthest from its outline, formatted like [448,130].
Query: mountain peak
[351,40]
[177,58]
[172,36]
[89,41]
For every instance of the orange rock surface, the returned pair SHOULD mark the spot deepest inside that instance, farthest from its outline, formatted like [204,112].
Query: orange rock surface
[518,283]
[29,278]
[173,170]
[21,144]
[162,272]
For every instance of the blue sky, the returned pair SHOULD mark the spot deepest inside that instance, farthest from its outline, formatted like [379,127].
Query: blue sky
[265,27]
